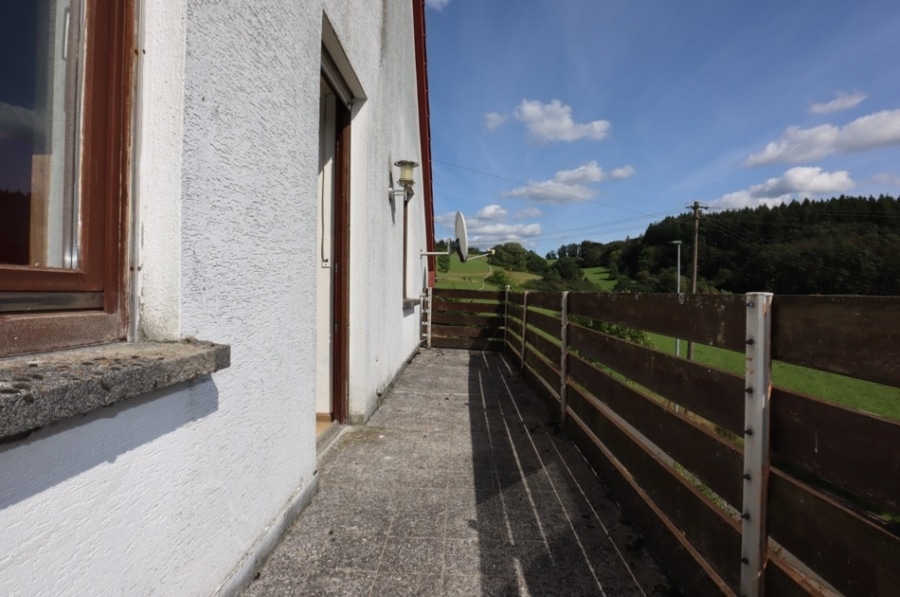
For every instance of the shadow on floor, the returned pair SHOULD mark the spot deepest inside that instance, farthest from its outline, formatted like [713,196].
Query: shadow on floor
[459,485]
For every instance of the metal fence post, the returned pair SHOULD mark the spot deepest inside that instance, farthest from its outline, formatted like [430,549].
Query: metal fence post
[430,300]
[563,356]
[758,389]
[505,315]
[524,327]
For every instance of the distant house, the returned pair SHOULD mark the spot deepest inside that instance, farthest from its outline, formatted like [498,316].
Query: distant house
[232,171]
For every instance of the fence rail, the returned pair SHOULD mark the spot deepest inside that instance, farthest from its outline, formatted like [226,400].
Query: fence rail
[686,446]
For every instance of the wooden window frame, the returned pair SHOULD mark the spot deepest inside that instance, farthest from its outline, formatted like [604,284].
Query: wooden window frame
[60,308]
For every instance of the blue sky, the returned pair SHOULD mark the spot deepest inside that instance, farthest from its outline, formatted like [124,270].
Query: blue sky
[555,121]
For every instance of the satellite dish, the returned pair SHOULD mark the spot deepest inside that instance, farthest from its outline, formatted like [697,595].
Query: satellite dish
[462,238]
[461,244]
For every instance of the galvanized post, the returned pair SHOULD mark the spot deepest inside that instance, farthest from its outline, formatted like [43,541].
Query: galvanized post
[758,390]
[563,357]
[524,327]
[430,300]
[505,315]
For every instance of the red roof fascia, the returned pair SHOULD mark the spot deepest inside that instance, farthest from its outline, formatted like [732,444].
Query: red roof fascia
[424,129]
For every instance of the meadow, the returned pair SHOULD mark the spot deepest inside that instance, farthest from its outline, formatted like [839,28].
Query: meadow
[471,275]
[846,391]
[839,389]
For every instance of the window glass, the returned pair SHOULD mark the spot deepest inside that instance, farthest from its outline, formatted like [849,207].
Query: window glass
[40,75]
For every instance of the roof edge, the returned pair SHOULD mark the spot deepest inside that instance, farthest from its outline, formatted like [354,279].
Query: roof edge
[424,130]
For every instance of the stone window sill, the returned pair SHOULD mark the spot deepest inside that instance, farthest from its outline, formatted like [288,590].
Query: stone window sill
[40,389]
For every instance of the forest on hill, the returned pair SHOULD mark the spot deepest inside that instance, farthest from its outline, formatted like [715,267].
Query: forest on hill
[844,245]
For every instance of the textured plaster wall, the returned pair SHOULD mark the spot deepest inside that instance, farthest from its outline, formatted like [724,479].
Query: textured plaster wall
[167,494]
[376,37]
[157,198]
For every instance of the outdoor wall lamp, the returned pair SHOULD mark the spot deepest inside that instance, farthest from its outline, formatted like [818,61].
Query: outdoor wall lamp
[406,180]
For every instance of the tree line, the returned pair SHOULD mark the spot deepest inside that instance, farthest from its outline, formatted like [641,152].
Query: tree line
[844,245]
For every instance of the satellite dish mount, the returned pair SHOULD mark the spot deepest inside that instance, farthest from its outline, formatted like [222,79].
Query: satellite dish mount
[460,244]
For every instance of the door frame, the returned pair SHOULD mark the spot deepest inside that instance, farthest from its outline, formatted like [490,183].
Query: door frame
[340,284]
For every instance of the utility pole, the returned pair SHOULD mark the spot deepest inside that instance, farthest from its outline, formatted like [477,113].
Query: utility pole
[697,206]
[677,243]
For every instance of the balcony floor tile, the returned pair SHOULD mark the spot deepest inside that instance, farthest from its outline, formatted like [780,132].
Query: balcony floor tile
[460,484]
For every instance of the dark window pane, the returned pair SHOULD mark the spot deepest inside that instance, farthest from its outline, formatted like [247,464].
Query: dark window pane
[39,82]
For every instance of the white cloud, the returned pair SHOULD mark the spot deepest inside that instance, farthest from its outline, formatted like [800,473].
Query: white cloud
[487,231]
[843,101]
[569,185]
[589,172]
[437,4]
[530,212]
[492,234]
[16,122]
[796,183]
[623,172]
[887,179]
[553,122]
[881,129]
[446,220]
[491,212]
[494,119]
[550,191]
[798,145]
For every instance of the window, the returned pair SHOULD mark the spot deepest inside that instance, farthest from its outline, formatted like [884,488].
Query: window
[65,122]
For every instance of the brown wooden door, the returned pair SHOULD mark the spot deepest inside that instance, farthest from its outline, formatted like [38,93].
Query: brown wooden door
[341,269]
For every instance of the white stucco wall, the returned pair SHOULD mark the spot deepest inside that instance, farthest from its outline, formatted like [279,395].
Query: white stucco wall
[384,130]
[167,494]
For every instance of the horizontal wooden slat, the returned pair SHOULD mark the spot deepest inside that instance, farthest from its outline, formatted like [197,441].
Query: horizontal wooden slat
[717,464]
[708,529]
[545,300]
[716,320]
[849,552]
[782,580]
[458,331]
[544,369]
[544,390]
[827,440]
[514,343]
[547,324]
[850,335]
[467,343]
[28,302]
[514,311]
[448,293]
[512,348]
[445,318]
[711,393]
[548,349]
[516,298]
[445,306]
[682,564]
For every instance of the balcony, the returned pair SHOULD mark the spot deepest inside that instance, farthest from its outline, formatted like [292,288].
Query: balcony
[500,468]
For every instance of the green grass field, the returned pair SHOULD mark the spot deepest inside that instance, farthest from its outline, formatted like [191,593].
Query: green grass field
[471,275]
[846,391]
[465,276]
[853,393]
[600,277]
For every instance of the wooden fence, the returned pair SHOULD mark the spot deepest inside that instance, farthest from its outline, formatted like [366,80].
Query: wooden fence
[739,489]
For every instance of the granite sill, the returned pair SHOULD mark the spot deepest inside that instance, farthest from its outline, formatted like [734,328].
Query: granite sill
[41,389]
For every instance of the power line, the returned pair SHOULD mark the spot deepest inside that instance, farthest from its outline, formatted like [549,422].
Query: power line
[537,186]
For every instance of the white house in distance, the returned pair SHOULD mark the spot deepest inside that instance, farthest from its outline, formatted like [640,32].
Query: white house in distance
[195,176]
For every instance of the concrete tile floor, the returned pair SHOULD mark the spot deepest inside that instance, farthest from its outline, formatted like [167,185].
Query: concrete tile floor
[459,485]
